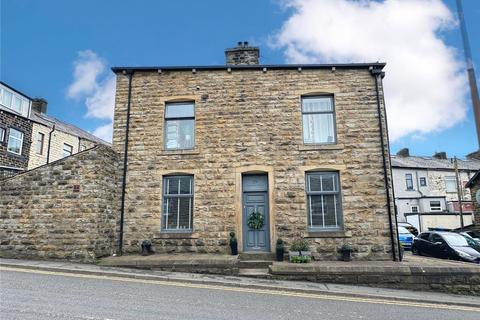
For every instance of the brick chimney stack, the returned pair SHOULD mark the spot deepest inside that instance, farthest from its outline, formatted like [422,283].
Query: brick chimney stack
[243,54]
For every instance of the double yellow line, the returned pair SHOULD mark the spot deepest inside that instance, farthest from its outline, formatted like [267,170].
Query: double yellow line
[252,290]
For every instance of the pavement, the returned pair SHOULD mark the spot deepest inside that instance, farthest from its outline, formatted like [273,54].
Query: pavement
[234,282]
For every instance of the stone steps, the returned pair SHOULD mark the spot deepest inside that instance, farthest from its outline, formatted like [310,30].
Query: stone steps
[256,256]
[254,264]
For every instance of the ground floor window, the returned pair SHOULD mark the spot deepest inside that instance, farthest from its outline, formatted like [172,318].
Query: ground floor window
[177,203]
[435,206]
[323,201]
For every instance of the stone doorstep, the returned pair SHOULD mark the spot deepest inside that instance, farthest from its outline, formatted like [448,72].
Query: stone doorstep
[255,273]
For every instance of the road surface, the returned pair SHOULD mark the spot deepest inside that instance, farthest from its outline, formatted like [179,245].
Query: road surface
[34,294]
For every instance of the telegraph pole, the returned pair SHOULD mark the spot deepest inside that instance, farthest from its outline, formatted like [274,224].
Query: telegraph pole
[459,191]
[471,72]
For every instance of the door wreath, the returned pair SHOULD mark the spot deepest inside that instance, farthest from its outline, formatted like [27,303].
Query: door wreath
[255,220]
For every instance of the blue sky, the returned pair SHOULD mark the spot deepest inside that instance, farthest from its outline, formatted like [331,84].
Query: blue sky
[41,40]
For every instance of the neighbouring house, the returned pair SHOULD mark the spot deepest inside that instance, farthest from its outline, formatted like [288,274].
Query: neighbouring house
[426,189]
[15,131]
[295,150]
[30,138]
[54,139]
[474,185]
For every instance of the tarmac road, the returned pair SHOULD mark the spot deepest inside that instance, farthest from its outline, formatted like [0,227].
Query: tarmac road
[33,294]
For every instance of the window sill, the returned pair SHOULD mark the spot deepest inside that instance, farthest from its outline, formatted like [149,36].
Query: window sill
[321,147]
[180,152]
[328,234]
[175,235]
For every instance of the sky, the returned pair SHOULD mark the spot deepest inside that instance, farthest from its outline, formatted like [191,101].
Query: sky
[63,51]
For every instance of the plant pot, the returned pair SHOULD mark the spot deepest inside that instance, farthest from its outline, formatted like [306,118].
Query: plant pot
[306,253]
[280,254]
[234,248]
[292,254]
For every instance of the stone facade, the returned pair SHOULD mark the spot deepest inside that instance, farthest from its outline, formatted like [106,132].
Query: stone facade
[249,120]
[65,210]
[10,163]
[474,186]
[58,139]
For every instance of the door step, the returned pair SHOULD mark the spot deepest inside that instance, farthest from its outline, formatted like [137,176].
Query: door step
[255,273]
[257,256]
[254,264]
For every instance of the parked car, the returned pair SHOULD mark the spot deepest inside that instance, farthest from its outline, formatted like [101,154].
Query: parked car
[409,227]
[474,234]
[405,238]
[445,245]
[471,241]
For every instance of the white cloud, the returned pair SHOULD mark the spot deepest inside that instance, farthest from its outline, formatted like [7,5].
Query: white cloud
[104,132]
[424,85]
[93,83]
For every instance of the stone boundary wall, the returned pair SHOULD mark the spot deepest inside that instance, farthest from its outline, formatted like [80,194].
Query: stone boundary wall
[454,279]
[63,210]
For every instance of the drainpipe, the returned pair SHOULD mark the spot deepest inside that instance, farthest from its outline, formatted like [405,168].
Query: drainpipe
[125,163]
[378,73]
[49,143]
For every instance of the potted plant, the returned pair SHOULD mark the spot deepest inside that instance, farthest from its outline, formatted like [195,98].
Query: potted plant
[346,251]
[146,248]
[280,250]
[233,244]
[299,247]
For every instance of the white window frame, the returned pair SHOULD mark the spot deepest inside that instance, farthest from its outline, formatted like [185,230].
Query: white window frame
[24,102]
[423,179]
[10,138]
[414,211]
[70,151]
[3,134]
[436,208]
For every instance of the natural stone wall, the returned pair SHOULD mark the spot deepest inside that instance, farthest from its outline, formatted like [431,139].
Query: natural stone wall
[64,210]
[10,161]
[249,120]
[476,206]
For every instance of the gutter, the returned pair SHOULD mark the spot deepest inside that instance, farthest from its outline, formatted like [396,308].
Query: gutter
[129,73]
[50,143]
[378,73]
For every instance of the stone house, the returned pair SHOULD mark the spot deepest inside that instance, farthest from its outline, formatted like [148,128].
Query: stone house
[426,189]
[55,139]
[30,138]
[300,150]
[15,131]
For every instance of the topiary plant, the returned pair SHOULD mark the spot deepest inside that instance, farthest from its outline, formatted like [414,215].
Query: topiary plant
[300,245]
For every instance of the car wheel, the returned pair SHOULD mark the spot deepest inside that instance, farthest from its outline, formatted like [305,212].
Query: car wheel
[415,251]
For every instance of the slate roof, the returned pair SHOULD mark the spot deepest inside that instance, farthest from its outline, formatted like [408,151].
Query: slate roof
[433,163]
[49,121]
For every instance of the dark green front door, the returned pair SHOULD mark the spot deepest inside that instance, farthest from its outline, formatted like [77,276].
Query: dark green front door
[255,199]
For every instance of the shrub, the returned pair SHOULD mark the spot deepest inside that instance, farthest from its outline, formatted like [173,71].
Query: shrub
[300,245]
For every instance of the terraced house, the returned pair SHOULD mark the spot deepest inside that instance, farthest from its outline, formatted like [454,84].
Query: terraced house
[302,146]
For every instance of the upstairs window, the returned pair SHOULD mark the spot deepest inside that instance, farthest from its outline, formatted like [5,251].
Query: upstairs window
[15,141]
[318,119]
[423,182]
[67,150]
[180,126]
[40,142]
[14,101]
[450,184]
[409,181]
[323,201]
[177,203]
